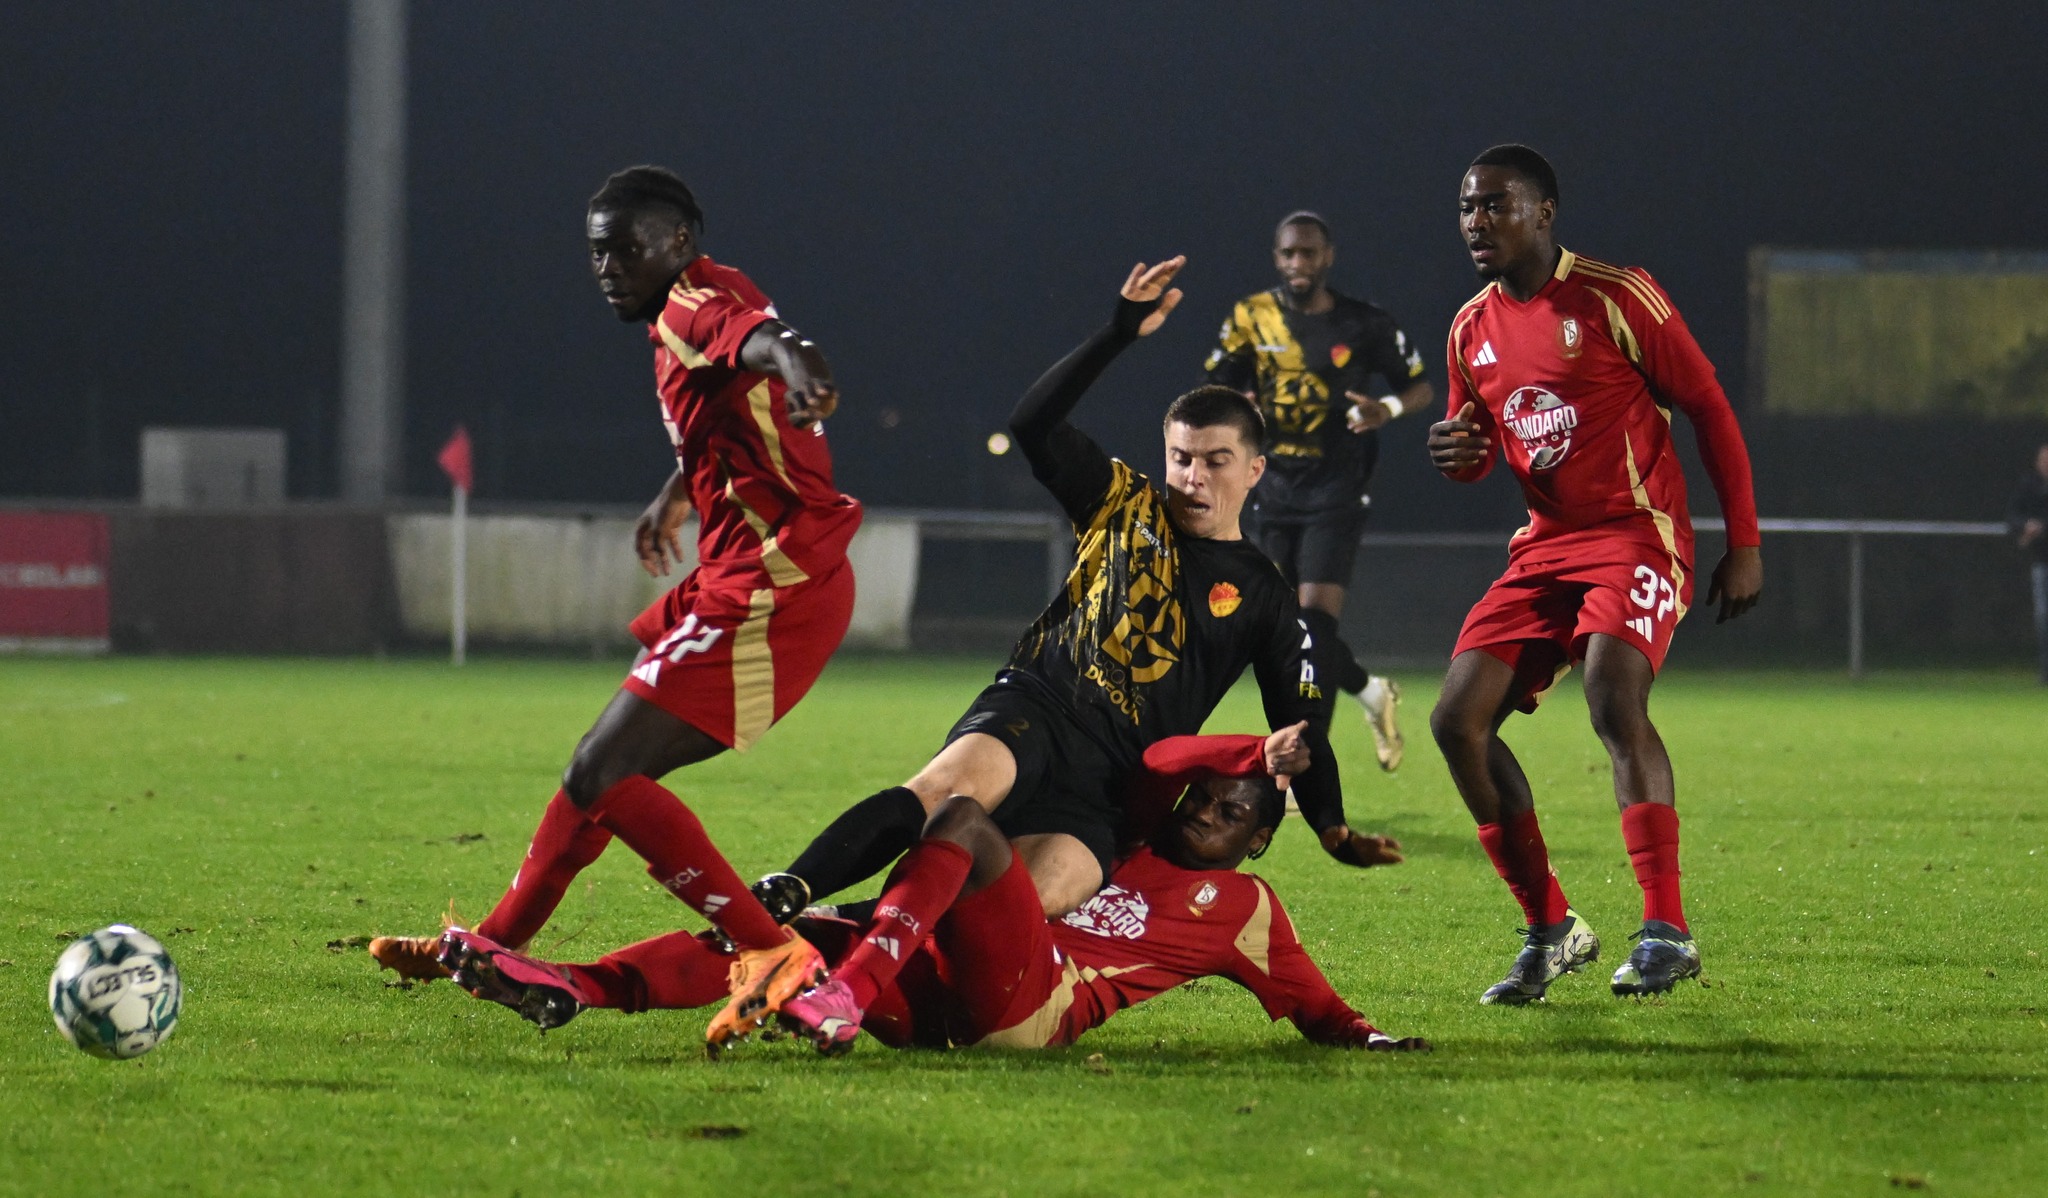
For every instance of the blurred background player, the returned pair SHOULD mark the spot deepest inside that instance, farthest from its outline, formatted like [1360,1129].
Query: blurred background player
[1308,356]
[746,633]
[1568,369]
[1166,606]
[2027,515]
[959,952]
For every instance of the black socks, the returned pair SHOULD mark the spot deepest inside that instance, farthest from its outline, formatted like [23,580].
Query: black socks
[862,842]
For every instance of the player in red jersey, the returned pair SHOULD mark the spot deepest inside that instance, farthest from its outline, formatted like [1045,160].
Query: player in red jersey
[960,953]
[746,633]
[1568,369]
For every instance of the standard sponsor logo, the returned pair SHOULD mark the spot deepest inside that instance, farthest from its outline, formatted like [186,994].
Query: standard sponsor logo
[1543,423]
[1113,912]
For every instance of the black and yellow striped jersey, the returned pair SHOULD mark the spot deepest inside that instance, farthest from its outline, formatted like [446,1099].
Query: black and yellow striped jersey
[1153,626]
[1299,365]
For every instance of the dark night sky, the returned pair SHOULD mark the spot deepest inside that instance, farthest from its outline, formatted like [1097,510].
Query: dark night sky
[943,197]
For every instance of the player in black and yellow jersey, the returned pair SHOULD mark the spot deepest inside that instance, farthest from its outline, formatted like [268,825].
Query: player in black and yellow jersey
[1310,357]
[1165,608]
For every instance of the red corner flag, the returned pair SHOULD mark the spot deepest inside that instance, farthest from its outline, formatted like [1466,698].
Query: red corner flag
[456,461]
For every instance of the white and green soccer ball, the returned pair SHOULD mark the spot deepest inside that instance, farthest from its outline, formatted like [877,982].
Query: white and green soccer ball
[115,992]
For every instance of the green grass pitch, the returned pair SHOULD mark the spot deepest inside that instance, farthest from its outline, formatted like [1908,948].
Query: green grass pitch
[1865,871]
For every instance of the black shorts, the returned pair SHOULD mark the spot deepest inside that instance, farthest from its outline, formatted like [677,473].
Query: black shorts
[1065,782]
[1318,547]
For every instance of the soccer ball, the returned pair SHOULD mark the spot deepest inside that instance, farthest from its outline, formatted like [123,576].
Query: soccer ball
[115,993]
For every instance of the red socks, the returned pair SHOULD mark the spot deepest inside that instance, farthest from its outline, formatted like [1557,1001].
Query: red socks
[655,824]
[1651,832]
[564,844]
[673,972]
[1523,862]
[923,884]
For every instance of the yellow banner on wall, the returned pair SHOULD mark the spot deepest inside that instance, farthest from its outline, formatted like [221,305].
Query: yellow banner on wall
[1899,333]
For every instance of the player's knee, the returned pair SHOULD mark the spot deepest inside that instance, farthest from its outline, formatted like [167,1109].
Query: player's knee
[588,776]
[1457,726]
[961,820]
[1620,716]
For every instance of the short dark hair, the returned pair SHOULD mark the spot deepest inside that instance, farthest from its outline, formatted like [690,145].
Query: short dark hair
[638,188]
[1302,216]
[1525,162]
[1211,405]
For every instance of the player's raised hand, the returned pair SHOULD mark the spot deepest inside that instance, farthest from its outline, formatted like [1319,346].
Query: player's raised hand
[1366,413]
[657,534]
[1458,444]
[1363,851]
[1738,582]
[1287,753]
[1152,285]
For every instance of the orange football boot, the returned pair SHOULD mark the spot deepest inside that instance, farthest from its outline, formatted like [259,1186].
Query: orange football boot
[762,979]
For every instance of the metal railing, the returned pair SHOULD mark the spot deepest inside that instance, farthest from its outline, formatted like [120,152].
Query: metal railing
[1857,531]
[1058,539]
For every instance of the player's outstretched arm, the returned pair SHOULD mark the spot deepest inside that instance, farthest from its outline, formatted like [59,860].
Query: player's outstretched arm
[1142,306]
[657,535]
[1291,985]
[1072,467]
[775,348]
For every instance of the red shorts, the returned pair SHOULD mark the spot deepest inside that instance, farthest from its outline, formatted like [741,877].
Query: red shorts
[989,969]
[1538,616]
[730,661]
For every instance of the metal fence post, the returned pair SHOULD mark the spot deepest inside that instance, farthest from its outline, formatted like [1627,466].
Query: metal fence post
[1856,603]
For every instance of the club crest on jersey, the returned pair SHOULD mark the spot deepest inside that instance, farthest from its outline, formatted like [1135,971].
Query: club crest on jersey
[1340,355]
[1570,337]
[1543,422]
[1223,599]
[1201,897]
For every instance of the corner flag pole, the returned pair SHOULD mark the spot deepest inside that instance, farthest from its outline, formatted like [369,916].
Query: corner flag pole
[458,463]
[458,625]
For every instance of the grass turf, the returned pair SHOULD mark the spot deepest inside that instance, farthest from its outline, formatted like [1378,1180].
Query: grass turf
[1865,874]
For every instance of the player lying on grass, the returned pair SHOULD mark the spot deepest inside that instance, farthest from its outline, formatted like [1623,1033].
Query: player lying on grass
[746,633]
[1166,606]
[958,952]
[1568,369]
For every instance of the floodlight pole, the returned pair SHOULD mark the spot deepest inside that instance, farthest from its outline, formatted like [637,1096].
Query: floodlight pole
[373,255]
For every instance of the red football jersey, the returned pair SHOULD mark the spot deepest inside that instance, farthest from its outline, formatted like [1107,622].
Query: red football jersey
[768,514]
[1576,388]
[1155,925]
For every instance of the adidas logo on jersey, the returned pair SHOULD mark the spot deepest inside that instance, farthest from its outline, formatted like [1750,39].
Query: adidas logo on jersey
[1642,627]
[1485,356]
